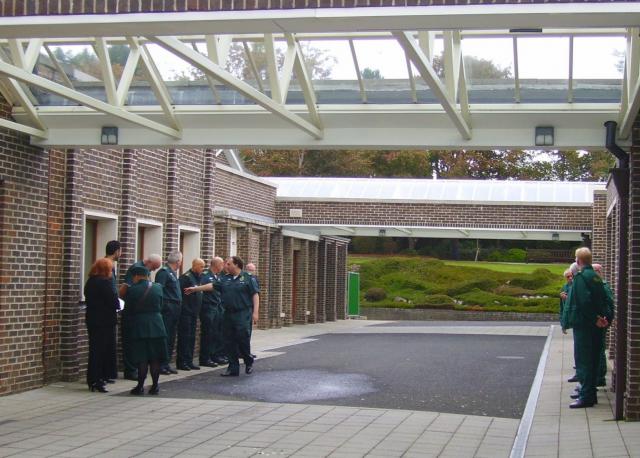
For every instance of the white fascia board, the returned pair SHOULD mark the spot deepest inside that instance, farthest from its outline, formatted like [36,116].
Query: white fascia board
[246,217]
[569,15]
[300,235]
[578,126]
[436,201]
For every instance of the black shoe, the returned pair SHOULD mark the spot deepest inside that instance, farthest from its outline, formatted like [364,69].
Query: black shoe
[193,367]
[573,379]
[165,371]
[108,380]
[171,370]
[248,369]
[253,356]
[99,387]
[228,373]
[137,391]
[220,360]
[155,389]
[575,396]
[209,364]
[601,383]
[581,404]
[183,367]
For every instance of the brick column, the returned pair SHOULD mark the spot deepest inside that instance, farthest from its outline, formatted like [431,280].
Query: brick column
[313,282]
[264,273]
[610,275]
[72,260]
[128,230]
[208,235]
[287,275]
[222,229]
[302,291]
[275,280]
[172,234]
[341,281]
[599,227]
[632,400]
[332,280]
[321,282]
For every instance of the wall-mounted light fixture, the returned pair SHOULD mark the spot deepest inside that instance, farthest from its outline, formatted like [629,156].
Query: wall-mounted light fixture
[544,136]
[555,236]
[109,135]
[382,232]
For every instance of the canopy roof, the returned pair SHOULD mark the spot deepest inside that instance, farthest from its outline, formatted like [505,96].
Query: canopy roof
[247,78]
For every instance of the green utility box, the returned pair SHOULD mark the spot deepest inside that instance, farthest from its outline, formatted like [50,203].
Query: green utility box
[354,293]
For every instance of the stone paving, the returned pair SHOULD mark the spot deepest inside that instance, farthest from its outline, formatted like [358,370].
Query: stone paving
[66,420]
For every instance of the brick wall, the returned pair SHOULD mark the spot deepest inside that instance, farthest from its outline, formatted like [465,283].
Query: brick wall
[438,215]
[599,228]
[632,400]
[33,7]
[23,235]
[235,191]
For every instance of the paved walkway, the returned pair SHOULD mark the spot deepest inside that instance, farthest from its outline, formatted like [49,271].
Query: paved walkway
[66,420]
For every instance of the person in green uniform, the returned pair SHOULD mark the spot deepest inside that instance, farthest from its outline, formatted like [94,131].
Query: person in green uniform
[241,302]
[148,336]
[152,262]
[586,313]
[610,311]
[211,315]
[564,294]
[191,306]
[167,277]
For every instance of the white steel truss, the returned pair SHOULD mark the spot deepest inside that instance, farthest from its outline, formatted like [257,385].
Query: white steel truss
[271,119]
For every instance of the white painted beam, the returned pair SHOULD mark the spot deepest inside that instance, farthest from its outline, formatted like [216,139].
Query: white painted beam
[272,68]
[43,83]
[415,54]
[287,70]
[356,65]
[58,67]
[127,75]
[206,65]
[32,53]
[630,104]
[22,128]
[304,80]
[100,48]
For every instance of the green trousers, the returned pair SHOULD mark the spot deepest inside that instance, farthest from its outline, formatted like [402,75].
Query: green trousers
[588,343]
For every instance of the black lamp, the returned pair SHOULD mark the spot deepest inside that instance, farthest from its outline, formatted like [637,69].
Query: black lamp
[544,136]
[109,135]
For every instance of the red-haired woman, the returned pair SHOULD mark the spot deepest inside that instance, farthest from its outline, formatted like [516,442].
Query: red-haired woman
[102,306]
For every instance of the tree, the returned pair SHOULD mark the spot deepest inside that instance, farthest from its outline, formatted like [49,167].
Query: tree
[475,67]
[371,74]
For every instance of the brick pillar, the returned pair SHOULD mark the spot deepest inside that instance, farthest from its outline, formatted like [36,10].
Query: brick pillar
[599,224]
[222,230]
[341,281]
[172,234]
[72,260]
[208,235]
[264,274]
[632,400]
[332,280]
[321,282]
[610,275]
[313,281]
[275,280]
[287,274]
[128,230]
[302,292]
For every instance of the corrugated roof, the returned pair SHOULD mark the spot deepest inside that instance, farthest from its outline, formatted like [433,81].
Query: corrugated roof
[441,190]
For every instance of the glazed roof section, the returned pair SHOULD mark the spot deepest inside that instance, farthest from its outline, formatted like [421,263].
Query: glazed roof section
[430,190]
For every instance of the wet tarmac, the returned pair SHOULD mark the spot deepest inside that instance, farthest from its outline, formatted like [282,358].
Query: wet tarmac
[487,375]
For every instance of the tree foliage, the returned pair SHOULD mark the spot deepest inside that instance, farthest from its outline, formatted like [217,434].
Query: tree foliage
[497,165]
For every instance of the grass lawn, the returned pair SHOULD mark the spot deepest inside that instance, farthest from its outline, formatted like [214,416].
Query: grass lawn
[421,282]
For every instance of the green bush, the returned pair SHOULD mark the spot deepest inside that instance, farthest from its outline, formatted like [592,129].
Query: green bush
[375,294]
[537,279]
[436,301]
[510,255]
[480,284]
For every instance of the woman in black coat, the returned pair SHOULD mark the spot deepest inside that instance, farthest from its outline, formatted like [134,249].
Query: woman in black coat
[102,307]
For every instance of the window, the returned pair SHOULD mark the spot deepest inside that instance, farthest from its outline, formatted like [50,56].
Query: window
[149,238]
[99,228]
[189,246]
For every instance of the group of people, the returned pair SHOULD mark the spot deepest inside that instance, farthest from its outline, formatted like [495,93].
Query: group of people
[586,306]
[225,298]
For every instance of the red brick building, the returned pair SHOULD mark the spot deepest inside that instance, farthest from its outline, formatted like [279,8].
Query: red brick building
[58,196]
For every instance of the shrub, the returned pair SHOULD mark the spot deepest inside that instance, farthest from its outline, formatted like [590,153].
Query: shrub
[510,255]
[375,294]
[480,284]
[537,279]
[436,301]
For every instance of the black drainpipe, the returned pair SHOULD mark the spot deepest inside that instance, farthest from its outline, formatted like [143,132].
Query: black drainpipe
[620,175]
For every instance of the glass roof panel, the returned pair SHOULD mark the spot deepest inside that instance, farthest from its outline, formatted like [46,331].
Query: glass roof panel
[601,82]
[543,64]
[488,64]
[489,191]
